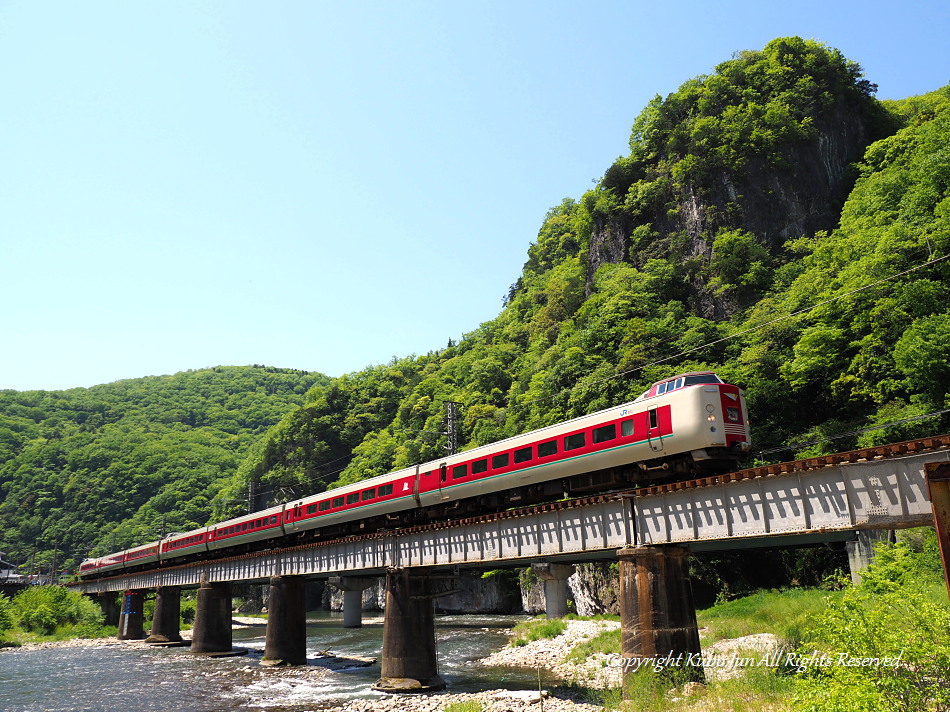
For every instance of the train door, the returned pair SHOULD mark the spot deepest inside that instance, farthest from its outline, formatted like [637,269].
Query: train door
[443,476]
[653,430]
[416,487]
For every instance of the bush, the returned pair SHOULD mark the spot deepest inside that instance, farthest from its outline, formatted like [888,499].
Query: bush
[43,609]
[886,642]
[6,613]
[904,641]
[189,607]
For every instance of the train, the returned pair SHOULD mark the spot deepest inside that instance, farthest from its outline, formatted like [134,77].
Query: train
[688,425]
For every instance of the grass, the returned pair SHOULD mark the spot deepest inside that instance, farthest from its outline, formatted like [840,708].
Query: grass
[536,629]
[758,690]
[467,706]
[607,642]
[785,614]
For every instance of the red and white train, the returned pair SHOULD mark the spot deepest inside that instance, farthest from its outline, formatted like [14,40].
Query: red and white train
[686,425]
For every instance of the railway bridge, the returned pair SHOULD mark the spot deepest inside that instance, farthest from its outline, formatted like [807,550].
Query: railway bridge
[650,531]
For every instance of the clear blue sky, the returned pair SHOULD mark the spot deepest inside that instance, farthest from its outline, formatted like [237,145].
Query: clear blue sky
[323,185]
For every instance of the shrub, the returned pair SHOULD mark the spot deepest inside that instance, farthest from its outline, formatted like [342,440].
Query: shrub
[6,613]
[894,625]
[43,609]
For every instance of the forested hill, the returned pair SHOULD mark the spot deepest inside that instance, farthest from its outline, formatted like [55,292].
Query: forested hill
[108,464]
[773,221]
[753,204]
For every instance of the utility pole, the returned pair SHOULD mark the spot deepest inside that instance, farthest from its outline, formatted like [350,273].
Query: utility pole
[54,578]
[451,427]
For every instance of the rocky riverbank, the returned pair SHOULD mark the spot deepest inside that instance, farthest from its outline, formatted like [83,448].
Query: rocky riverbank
[549,653]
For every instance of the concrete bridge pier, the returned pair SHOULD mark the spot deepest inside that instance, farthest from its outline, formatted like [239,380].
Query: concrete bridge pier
[211,633]
[352,587]
[657,616]
[555,578]
[132,616]
[861,550]
[409,661]
[166,620]
[286,638]
[110,608]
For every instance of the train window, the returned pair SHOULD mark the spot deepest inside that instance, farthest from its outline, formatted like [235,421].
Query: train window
[244,527]
[605,433]
[385,489]
[679,383]
[311,509]
[369,494]
[353,498]
[337,501]
[459,471]
[324,505]
[654,422]
[547,449]
[523,455]
[626,428]
[479,466]
[443,469]
[500,461]
[572,442]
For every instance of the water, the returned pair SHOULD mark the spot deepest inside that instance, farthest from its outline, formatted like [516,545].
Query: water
[122,678]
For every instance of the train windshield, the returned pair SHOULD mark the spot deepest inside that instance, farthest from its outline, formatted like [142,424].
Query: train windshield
[702,378]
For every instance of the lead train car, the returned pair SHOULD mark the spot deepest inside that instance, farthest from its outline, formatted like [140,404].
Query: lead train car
[691,423]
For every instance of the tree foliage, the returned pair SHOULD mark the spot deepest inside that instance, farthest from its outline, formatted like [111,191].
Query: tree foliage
[732,237]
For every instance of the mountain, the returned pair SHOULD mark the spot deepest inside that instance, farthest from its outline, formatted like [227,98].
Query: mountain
[773,222]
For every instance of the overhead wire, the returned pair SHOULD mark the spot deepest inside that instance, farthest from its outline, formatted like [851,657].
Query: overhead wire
[694,349]
[739,333]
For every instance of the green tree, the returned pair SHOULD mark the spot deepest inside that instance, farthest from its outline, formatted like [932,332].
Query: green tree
[923,355]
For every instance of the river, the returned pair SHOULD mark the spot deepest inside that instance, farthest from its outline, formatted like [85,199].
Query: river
[136,678]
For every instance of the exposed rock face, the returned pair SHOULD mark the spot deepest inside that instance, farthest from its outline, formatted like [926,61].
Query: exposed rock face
[494,594]
[374,597]
[532,593]
[596,589]
[799,196]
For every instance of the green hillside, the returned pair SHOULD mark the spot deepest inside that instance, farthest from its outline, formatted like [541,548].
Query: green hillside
[107,467]
[773,221]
